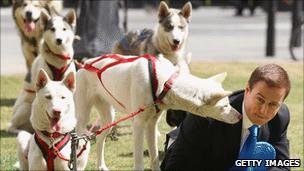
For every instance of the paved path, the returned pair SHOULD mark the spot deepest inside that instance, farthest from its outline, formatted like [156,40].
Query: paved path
[215,34]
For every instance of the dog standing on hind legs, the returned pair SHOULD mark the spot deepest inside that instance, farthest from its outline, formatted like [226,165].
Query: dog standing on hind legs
[53,118]
[126,87]
[56,58]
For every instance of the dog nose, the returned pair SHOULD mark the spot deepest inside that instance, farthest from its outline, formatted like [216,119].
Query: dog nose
[58,41]
[56,112]
[175,41]
[28,14]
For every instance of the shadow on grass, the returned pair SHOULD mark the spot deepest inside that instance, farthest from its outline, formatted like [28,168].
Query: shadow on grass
[146,154]
[5,134]
[7,102]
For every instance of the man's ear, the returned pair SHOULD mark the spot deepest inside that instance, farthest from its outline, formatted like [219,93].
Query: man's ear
[247,88]
[219,77]
[187,11]
[69,81]
[163,11]
[42,79]
[215,97]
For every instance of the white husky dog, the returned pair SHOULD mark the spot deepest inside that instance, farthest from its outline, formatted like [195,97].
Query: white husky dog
[127,86]
[53,118]
[168,39]
[26,14]
[56,58]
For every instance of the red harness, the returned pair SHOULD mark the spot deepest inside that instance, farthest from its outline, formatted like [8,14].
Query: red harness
[122,60]
[50,153]
[58,73]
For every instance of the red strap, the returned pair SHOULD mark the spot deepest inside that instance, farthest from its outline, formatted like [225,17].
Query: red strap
[29,90]
[167,87]
[61,56]
[58,73]
[118,121]
[52,153]
[119,60]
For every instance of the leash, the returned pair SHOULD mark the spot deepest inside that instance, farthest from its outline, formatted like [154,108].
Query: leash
[154,86]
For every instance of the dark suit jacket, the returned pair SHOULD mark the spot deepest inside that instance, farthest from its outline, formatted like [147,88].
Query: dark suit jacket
[207,144]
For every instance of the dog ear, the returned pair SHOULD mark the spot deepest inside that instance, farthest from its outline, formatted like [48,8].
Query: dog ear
[219,77]
[163,11]
[70,17]
[42,79]
[187,11]
[44,18]
[215,97]
[69,81]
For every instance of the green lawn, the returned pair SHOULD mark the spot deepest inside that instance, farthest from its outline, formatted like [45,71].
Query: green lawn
[119,153]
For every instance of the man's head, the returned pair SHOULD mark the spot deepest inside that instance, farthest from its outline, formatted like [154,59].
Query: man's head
[267,88]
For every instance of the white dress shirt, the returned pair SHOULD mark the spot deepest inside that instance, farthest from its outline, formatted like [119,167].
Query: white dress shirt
[245,125]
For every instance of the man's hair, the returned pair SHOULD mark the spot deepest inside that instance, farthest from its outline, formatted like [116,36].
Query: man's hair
[273,75]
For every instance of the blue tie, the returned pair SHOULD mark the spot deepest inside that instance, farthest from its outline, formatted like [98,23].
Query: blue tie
[249,145]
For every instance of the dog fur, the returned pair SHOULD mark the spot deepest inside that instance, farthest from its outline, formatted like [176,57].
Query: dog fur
[55,28]
[169,38]
[130,84]
[26,14]
[53,111]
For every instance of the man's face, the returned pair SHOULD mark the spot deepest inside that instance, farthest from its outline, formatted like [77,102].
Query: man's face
[262,102]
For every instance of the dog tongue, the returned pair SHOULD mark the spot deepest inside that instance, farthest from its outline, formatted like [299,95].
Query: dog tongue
[174,47]
[55,124]
[30,26]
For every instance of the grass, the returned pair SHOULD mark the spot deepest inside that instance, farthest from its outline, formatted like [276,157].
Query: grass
[118,154]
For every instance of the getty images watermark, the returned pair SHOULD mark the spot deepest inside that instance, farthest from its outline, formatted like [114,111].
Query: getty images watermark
[268,163]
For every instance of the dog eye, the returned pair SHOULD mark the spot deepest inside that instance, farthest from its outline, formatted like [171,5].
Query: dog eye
[24,4]
[181,27]
[49,97]
[62,97]
[53,29]
[64,29]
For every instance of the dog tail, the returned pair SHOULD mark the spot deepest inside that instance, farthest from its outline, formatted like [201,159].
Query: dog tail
[23,139]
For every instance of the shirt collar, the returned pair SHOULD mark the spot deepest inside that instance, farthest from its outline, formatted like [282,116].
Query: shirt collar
[246,122]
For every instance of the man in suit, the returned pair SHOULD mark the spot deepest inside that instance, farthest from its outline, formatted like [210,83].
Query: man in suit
[208,144]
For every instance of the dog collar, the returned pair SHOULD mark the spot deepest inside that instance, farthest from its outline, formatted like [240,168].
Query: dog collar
[61,56]
[52,135]
[154,84]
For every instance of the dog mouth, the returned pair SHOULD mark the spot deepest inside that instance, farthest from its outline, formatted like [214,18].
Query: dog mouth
[175,47]
[54,121]
[30,24]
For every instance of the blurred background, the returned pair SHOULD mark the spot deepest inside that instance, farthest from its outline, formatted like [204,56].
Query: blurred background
[218,30]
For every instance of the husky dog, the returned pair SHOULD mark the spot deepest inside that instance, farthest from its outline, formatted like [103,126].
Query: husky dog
[56,58]
[53,118]
[168,39]
[126,87]
[26,14]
